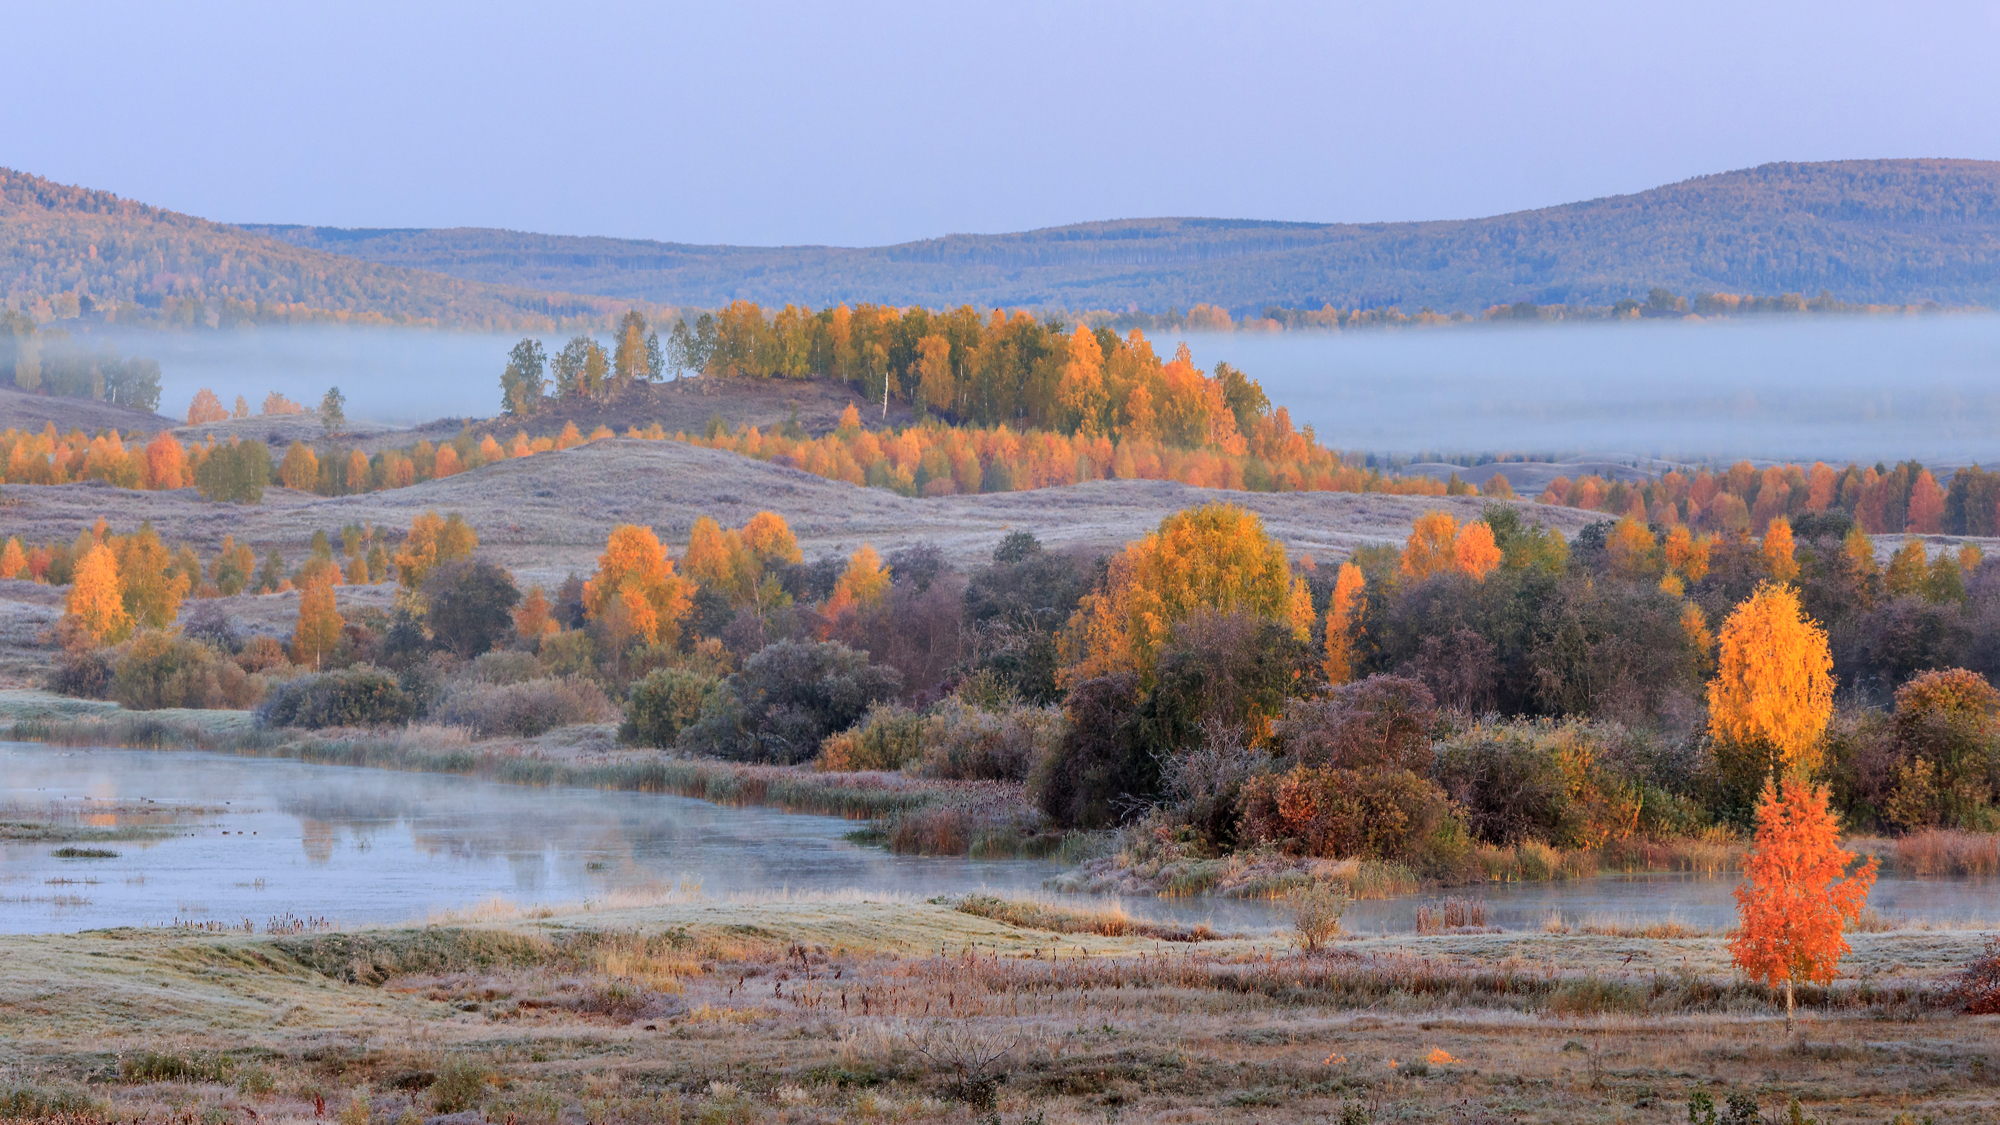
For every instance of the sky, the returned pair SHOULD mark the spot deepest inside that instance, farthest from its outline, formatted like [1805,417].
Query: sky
[863,124]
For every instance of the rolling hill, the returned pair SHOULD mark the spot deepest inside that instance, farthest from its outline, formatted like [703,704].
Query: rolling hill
[1880,231]
[56,239]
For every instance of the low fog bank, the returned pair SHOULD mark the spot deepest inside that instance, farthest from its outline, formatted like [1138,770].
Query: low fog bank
[1837,389]
[399,376]
[1833,389]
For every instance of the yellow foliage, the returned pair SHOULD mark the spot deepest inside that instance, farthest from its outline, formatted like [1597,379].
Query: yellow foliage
[1343,616]
[862,584]
[318,629]
[1780,560]
[1473,550]
[1431,547]
[771,540]
[635,590]
[1215,557]
[1686,555]
[1630,548]
[433,542]
[300,468]
[96,599]
[1773,689]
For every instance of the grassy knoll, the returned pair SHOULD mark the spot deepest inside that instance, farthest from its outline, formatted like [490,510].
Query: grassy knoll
[844,1009]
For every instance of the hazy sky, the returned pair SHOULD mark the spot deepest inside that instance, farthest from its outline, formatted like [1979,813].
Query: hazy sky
[858,123]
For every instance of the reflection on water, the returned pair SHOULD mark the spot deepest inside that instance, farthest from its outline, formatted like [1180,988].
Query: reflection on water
[228,839]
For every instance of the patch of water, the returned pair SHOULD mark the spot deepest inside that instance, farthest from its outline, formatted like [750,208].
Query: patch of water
[217,838]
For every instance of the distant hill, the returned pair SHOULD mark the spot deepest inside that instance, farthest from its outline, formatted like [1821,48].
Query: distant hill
[56,239]
[1871,231]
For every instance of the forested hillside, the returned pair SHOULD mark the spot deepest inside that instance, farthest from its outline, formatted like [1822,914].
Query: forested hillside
[70,251]
[1884,231]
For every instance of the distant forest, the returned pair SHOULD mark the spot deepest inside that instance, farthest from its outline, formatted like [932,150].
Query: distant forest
[67,252]
[1895,232]
[1856,235]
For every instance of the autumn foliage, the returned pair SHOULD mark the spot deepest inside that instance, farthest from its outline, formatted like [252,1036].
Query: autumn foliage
[1795,897]
[1343,617]
[1215,557]
[1438,545]
[1773,689]
[96,597]
[432,542]
[635,591]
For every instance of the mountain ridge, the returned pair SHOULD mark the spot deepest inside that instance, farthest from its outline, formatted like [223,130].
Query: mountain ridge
[1890,231]
[63,239]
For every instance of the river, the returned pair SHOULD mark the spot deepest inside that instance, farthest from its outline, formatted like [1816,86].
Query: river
[228,839]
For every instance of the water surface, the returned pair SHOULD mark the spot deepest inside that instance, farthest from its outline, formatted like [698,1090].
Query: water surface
[229,839]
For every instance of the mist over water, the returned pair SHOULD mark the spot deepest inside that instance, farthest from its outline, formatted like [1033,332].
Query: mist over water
[1843,389]
[393,375]
[1862,389]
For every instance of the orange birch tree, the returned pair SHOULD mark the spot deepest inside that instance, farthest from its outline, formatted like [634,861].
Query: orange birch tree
[1796,898]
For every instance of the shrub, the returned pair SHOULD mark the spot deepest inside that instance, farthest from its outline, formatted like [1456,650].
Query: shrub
[569,653]
[359,696]
[205,620]
[965,743]
[1978,986]
[32,1103]
[521,710]
[82,673]
[1946,751]
[1316,911]
[1097,773]
[1203,787]
[460,1085]
[506,666]
[469,605]
[787,699]
[1334,812]
[1230,668]
[1573,784]
[262,654]
[1382,722]
[889,737]
[161,669]
[666,702]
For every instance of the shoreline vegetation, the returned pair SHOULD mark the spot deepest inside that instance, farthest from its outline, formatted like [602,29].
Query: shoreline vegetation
[981,820]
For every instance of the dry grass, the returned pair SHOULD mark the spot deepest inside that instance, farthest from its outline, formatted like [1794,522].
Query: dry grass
[807,1011]
[1106,921]
[1937,852]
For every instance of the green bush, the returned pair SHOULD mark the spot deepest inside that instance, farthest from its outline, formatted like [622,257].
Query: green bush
[354,697]
[666,702]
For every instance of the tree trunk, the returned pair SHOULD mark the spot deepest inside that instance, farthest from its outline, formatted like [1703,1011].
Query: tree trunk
[1788,1005]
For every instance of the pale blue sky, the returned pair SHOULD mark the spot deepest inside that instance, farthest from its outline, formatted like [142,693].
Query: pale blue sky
[859,124]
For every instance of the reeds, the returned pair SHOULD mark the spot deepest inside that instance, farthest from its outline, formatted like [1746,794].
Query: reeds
[1944,852]
[1451,915]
